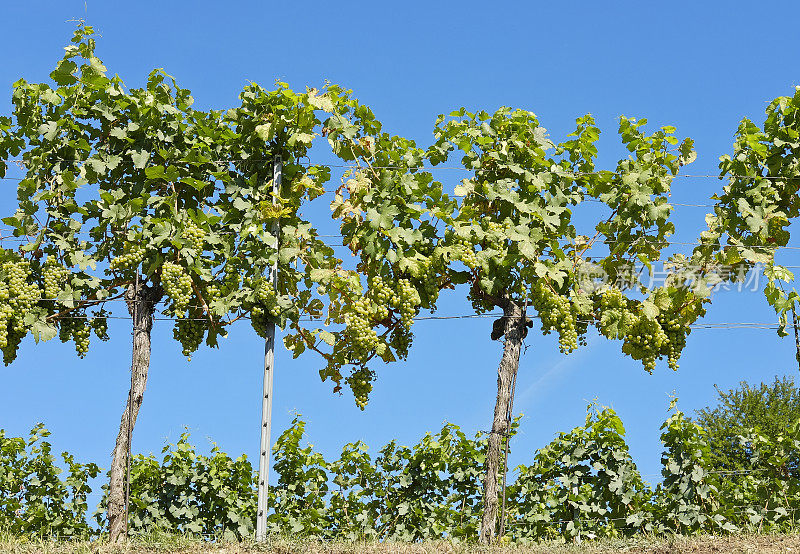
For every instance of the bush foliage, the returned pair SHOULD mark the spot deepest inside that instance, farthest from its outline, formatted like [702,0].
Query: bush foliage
[584,483]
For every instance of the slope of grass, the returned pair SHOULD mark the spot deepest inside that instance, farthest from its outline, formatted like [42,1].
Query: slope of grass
[733,544]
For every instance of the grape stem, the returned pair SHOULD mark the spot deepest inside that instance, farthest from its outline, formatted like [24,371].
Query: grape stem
[203,302]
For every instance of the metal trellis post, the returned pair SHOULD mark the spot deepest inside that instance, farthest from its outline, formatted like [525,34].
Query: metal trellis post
[269,371]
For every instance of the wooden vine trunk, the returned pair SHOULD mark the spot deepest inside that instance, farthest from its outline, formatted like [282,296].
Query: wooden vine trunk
[141,305]
[514,328]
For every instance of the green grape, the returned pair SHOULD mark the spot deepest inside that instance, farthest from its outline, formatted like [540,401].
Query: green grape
[558,314]
[497,233]
[676,331]
[266,309]
[644,341]
[190,333]
[259,320]
[407,301]
[230,280]
[55,277]
[400,339]
[195,235]
[18,296]
[360,382]
[379,298]
[76,328]
[177,286]
[363,337]
[677,326]
[99,325]
[465,253]
[615,319]
[131,258]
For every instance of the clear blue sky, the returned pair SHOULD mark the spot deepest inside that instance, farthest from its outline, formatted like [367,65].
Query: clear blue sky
[700,66]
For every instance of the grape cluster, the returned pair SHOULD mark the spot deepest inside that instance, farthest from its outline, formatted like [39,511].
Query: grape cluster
[557,313]
[400,339]
[381,296]
[615,317]
[675,330]
[644,341]
[647,338]
[178,286]
[407,301]
[430,281]
[189,333]
[266,309]
[362,336]
[54,276]
[133,256]
[498,232]
[99,324]
[75,327]
[7,343]
[195,235]
[230,280]
[463,251]
[360,382]
[676,325]
[18,296]
[260,320]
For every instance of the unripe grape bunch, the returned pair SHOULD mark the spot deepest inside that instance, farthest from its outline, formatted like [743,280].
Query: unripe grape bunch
[75,327]
[360,382]
[54,277]
[99,324]
[463,251]
[266,309]
[644,341]
[177,285]
[133,256]
[195,237]
[18,295]
[558,314]
[189,333]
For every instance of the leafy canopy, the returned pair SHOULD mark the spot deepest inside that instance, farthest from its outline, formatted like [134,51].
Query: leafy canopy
[509,230]
[118,179]
[768,409]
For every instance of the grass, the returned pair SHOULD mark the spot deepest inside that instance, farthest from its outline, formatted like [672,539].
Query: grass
[178,544]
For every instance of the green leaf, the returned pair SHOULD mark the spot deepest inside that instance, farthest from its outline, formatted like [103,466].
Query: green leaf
[140,159]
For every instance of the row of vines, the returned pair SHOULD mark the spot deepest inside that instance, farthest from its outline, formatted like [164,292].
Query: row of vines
[133,195]
[584,483]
